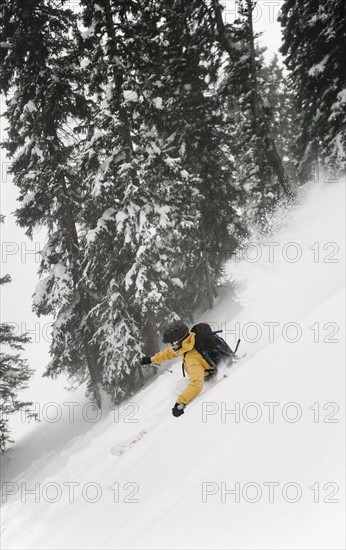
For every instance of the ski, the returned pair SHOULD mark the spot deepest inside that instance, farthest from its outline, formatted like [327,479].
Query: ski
[122,448]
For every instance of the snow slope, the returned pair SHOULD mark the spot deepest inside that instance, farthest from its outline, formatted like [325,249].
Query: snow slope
[268,476]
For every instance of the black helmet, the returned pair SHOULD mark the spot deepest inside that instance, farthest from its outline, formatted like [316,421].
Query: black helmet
[175,333]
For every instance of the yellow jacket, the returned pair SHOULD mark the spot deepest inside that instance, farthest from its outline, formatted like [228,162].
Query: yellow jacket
[194,364]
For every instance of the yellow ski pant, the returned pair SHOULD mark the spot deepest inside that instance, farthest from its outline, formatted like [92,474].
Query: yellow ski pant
[197,373]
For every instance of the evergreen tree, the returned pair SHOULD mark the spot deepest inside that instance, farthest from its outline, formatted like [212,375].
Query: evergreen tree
[314,45]
[125,149]
[195,115]
[129,228]
[160,177]
[40,63]
[260,167]
[14,375]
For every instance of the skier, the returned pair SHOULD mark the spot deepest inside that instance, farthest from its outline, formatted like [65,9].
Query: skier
[182,344]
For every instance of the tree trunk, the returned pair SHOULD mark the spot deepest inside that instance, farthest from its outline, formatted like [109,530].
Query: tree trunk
[207,271]
[118,78]
[94,374]
[253,71]
[275,161]
[140,373]
[150,327]
[269,148]
[84,305]
[72,246]
[152,339]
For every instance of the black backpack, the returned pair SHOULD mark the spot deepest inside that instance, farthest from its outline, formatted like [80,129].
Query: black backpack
[211,346]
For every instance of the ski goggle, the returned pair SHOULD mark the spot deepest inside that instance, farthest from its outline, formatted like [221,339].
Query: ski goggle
[176,345]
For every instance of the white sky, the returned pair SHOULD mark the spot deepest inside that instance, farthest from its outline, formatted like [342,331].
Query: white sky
[264,20]
[18,256]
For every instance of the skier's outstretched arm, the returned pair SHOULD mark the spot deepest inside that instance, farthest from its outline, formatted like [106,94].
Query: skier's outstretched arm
[164,355]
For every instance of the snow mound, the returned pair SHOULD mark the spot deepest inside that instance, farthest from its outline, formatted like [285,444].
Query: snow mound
[255,462]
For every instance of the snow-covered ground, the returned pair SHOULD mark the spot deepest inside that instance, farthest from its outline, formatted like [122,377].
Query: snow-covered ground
[255,462]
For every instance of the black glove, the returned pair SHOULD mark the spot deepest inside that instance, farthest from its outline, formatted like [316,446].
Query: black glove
[146,360]
[178,409]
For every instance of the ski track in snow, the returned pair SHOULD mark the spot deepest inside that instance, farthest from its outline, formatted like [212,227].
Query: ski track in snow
[147,468]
